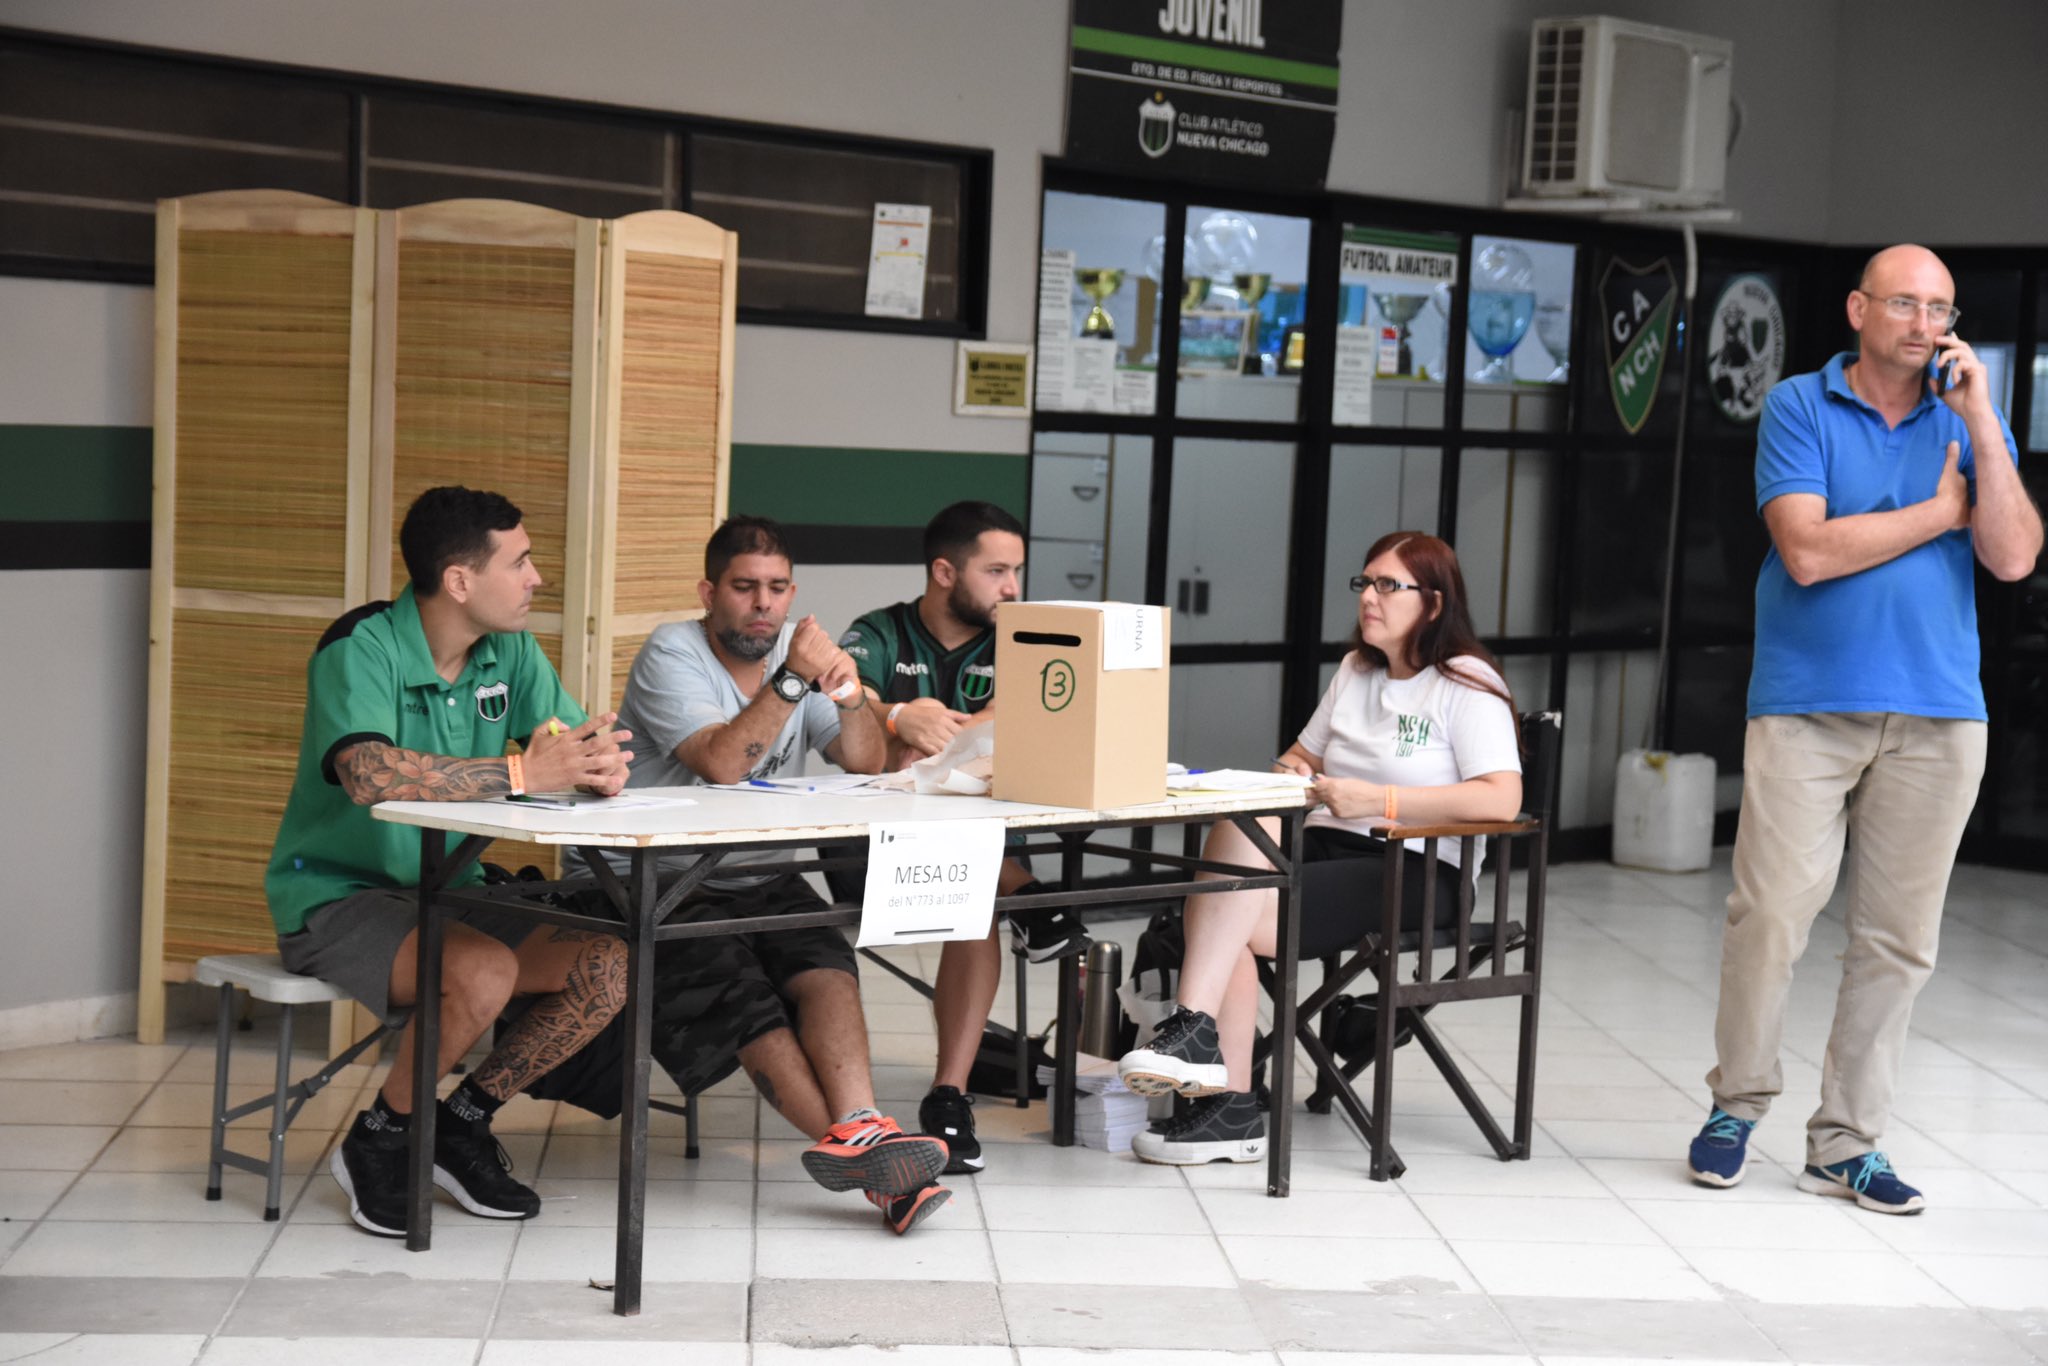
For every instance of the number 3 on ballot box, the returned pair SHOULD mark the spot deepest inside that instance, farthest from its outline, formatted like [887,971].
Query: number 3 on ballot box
[1056,685]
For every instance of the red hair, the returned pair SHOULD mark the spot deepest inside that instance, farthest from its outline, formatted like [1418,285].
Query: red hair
[1440,639]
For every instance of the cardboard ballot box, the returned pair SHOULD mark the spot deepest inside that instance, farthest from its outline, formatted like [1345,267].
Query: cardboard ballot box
[1081,698]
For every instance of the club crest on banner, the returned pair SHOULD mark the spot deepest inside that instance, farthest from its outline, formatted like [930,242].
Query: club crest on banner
[1745,346]
[1636,307]
[1155,125]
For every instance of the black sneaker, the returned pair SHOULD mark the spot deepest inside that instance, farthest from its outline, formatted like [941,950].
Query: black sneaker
[1220,1128]
[948,1114]
[1048,934]
[370,1167]
[471,1165]
[1183,1056]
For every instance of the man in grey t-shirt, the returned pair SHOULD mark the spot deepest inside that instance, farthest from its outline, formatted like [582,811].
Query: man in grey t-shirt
[739,695]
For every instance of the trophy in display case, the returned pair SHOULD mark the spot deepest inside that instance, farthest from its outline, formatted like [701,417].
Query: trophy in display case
[1099,283]
[1194,291]
[1398,310]
[1554,330]
[1250,289]
[1502,305]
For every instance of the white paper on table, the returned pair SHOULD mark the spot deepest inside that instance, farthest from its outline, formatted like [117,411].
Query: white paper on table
[896,257]
[930,881]
[1356,357]
[1133,633]
[1234,780]
[587,803]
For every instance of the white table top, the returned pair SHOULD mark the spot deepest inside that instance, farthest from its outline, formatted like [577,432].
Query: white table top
[723,817]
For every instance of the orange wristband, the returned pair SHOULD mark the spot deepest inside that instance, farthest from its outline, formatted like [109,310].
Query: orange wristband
[889,721]
[516,770]
[1393,802]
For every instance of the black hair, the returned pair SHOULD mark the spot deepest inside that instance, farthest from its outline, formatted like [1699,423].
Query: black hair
[743,535]
[952,534]
[451,525]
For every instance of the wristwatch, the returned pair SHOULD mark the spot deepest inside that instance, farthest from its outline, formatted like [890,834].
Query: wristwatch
[789,685]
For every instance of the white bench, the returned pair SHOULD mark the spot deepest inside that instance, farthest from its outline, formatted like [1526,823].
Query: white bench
[264,977]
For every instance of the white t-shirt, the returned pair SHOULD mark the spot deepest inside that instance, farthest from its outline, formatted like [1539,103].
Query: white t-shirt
[1425,731]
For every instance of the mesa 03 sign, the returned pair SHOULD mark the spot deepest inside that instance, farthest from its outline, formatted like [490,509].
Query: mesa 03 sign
[1220,90]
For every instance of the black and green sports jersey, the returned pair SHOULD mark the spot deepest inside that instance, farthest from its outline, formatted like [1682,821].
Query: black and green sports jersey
[902,661]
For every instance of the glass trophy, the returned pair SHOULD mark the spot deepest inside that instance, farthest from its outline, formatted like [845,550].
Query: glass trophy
[1399,310]
[1554,330]
[1503,303]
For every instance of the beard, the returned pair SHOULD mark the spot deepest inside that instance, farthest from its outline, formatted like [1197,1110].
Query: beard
[967,611]
[744,647]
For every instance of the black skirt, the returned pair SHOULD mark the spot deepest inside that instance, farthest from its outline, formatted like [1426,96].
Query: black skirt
[1341,885]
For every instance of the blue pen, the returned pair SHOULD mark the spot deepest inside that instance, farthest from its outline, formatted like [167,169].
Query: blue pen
[777,787]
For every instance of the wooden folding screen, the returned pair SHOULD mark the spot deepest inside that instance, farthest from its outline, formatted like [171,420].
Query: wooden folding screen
[318,367]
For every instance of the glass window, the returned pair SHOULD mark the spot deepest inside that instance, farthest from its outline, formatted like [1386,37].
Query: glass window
[1518,340]
[1618,581]
[1990,301]
[1507,539]
[1226,553]
[1090,496]
[1393,310]
[1241,338]
[1224,715]
[1610,699]
[1373,490]
[2037,436]
[417,150]
[1098,304]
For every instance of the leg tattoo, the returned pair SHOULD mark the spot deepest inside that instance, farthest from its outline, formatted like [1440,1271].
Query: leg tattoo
[558,1025]
[766,1087]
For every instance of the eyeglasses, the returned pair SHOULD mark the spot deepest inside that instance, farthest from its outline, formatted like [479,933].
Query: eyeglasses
[1383,585]
[1902,308]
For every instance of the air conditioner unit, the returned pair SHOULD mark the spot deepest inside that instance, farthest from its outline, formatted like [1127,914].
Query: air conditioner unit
[1621,108]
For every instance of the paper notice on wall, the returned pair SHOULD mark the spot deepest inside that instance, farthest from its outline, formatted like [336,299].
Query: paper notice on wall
[1136,391]
[1351,399]
[896,260]
[1133,634]
[1055,327]
[1091,376]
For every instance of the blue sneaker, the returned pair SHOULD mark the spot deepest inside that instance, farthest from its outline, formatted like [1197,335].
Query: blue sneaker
[1720,1154]
[1868,1180]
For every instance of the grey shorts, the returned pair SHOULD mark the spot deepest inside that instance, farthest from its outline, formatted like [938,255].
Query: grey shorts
[352,943]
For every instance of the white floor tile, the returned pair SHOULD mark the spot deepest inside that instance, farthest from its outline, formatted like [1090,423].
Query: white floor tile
[1376,1211]
[1109,1259]
[464,1249]
[25,1195]
[550,1352]
[906,1354]
[668,1254]
[1788,1277]
[1041,1164]
[670,1204]
[1456,1174]
[339,1351]
[176,1197]
[932,1253]
[188,1150]
[1125,1356]
[134,1249]
[99,1060]
[1818,1225]
[1579,1271]
[1370,1265]
[595,1157]
[1533,1219]
[102,1349]
[52,1147]
[1093,1209]
[71,1102]
[2010,1233]
[2014,1283]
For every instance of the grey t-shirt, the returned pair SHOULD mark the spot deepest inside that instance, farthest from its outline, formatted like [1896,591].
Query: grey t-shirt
[677,687]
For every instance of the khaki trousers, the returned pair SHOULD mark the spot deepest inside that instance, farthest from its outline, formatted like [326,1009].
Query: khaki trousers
[1899,789]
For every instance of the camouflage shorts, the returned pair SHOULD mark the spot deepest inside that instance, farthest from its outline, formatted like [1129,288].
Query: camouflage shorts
[712,997]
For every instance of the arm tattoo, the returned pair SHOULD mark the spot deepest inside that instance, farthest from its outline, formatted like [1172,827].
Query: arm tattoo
[755,749]
[376,772]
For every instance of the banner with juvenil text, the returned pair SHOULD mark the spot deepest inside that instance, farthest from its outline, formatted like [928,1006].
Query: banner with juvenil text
[1238,91]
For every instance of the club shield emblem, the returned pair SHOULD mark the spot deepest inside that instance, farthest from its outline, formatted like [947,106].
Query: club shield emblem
[1637,303]
[1155,126]
[977,681]
[1745,347]
[493,700]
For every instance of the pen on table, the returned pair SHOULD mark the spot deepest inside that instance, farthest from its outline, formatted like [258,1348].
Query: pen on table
[777,787]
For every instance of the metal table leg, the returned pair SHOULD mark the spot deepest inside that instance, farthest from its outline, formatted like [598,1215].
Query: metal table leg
[426,1049]
[632,1218]
[1067,1031]
[1280,1085]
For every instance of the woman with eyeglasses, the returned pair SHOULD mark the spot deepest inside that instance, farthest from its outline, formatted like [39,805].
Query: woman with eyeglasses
[1417,727]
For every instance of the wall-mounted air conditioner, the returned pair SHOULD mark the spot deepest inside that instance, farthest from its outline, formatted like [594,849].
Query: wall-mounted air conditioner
[1621,108]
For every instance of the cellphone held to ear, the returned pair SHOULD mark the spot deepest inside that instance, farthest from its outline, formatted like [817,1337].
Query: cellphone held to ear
[1939,371]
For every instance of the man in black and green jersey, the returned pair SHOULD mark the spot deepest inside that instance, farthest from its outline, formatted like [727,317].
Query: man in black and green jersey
[928,667]
[415,700]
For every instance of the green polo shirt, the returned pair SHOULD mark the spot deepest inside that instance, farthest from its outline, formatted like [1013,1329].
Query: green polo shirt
[372,678]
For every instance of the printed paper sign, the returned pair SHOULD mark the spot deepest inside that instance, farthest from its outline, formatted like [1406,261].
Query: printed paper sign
[930,880]
[896,260]
[1133,634]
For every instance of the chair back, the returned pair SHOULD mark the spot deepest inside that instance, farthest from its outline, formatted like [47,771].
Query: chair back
[1542,741]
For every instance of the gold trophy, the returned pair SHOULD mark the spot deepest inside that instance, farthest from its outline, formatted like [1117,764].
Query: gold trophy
[1099,283]
[1193,290]
[1251,289]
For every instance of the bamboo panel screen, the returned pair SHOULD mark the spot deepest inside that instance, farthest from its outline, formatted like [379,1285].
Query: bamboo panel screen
[483,359]
[238,701]
[263,394]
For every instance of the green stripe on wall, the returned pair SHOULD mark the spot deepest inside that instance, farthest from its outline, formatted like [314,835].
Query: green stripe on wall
[74,474]
[835,486]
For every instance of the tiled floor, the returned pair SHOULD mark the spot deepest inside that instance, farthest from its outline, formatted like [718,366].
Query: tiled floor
[1597,1249]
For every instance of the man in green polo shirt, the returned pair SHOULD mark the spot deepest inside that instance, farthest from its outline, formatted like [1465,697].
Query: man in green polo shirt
[416,700]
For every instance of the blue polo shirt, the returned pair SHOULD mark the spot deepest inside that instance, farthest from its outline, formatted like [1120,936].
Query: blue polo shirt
[1897,637]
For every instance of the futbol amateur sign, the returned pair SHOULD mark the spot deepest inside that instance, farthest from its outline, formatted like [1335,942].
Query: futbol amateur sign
[1222,90]
[1636,304]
